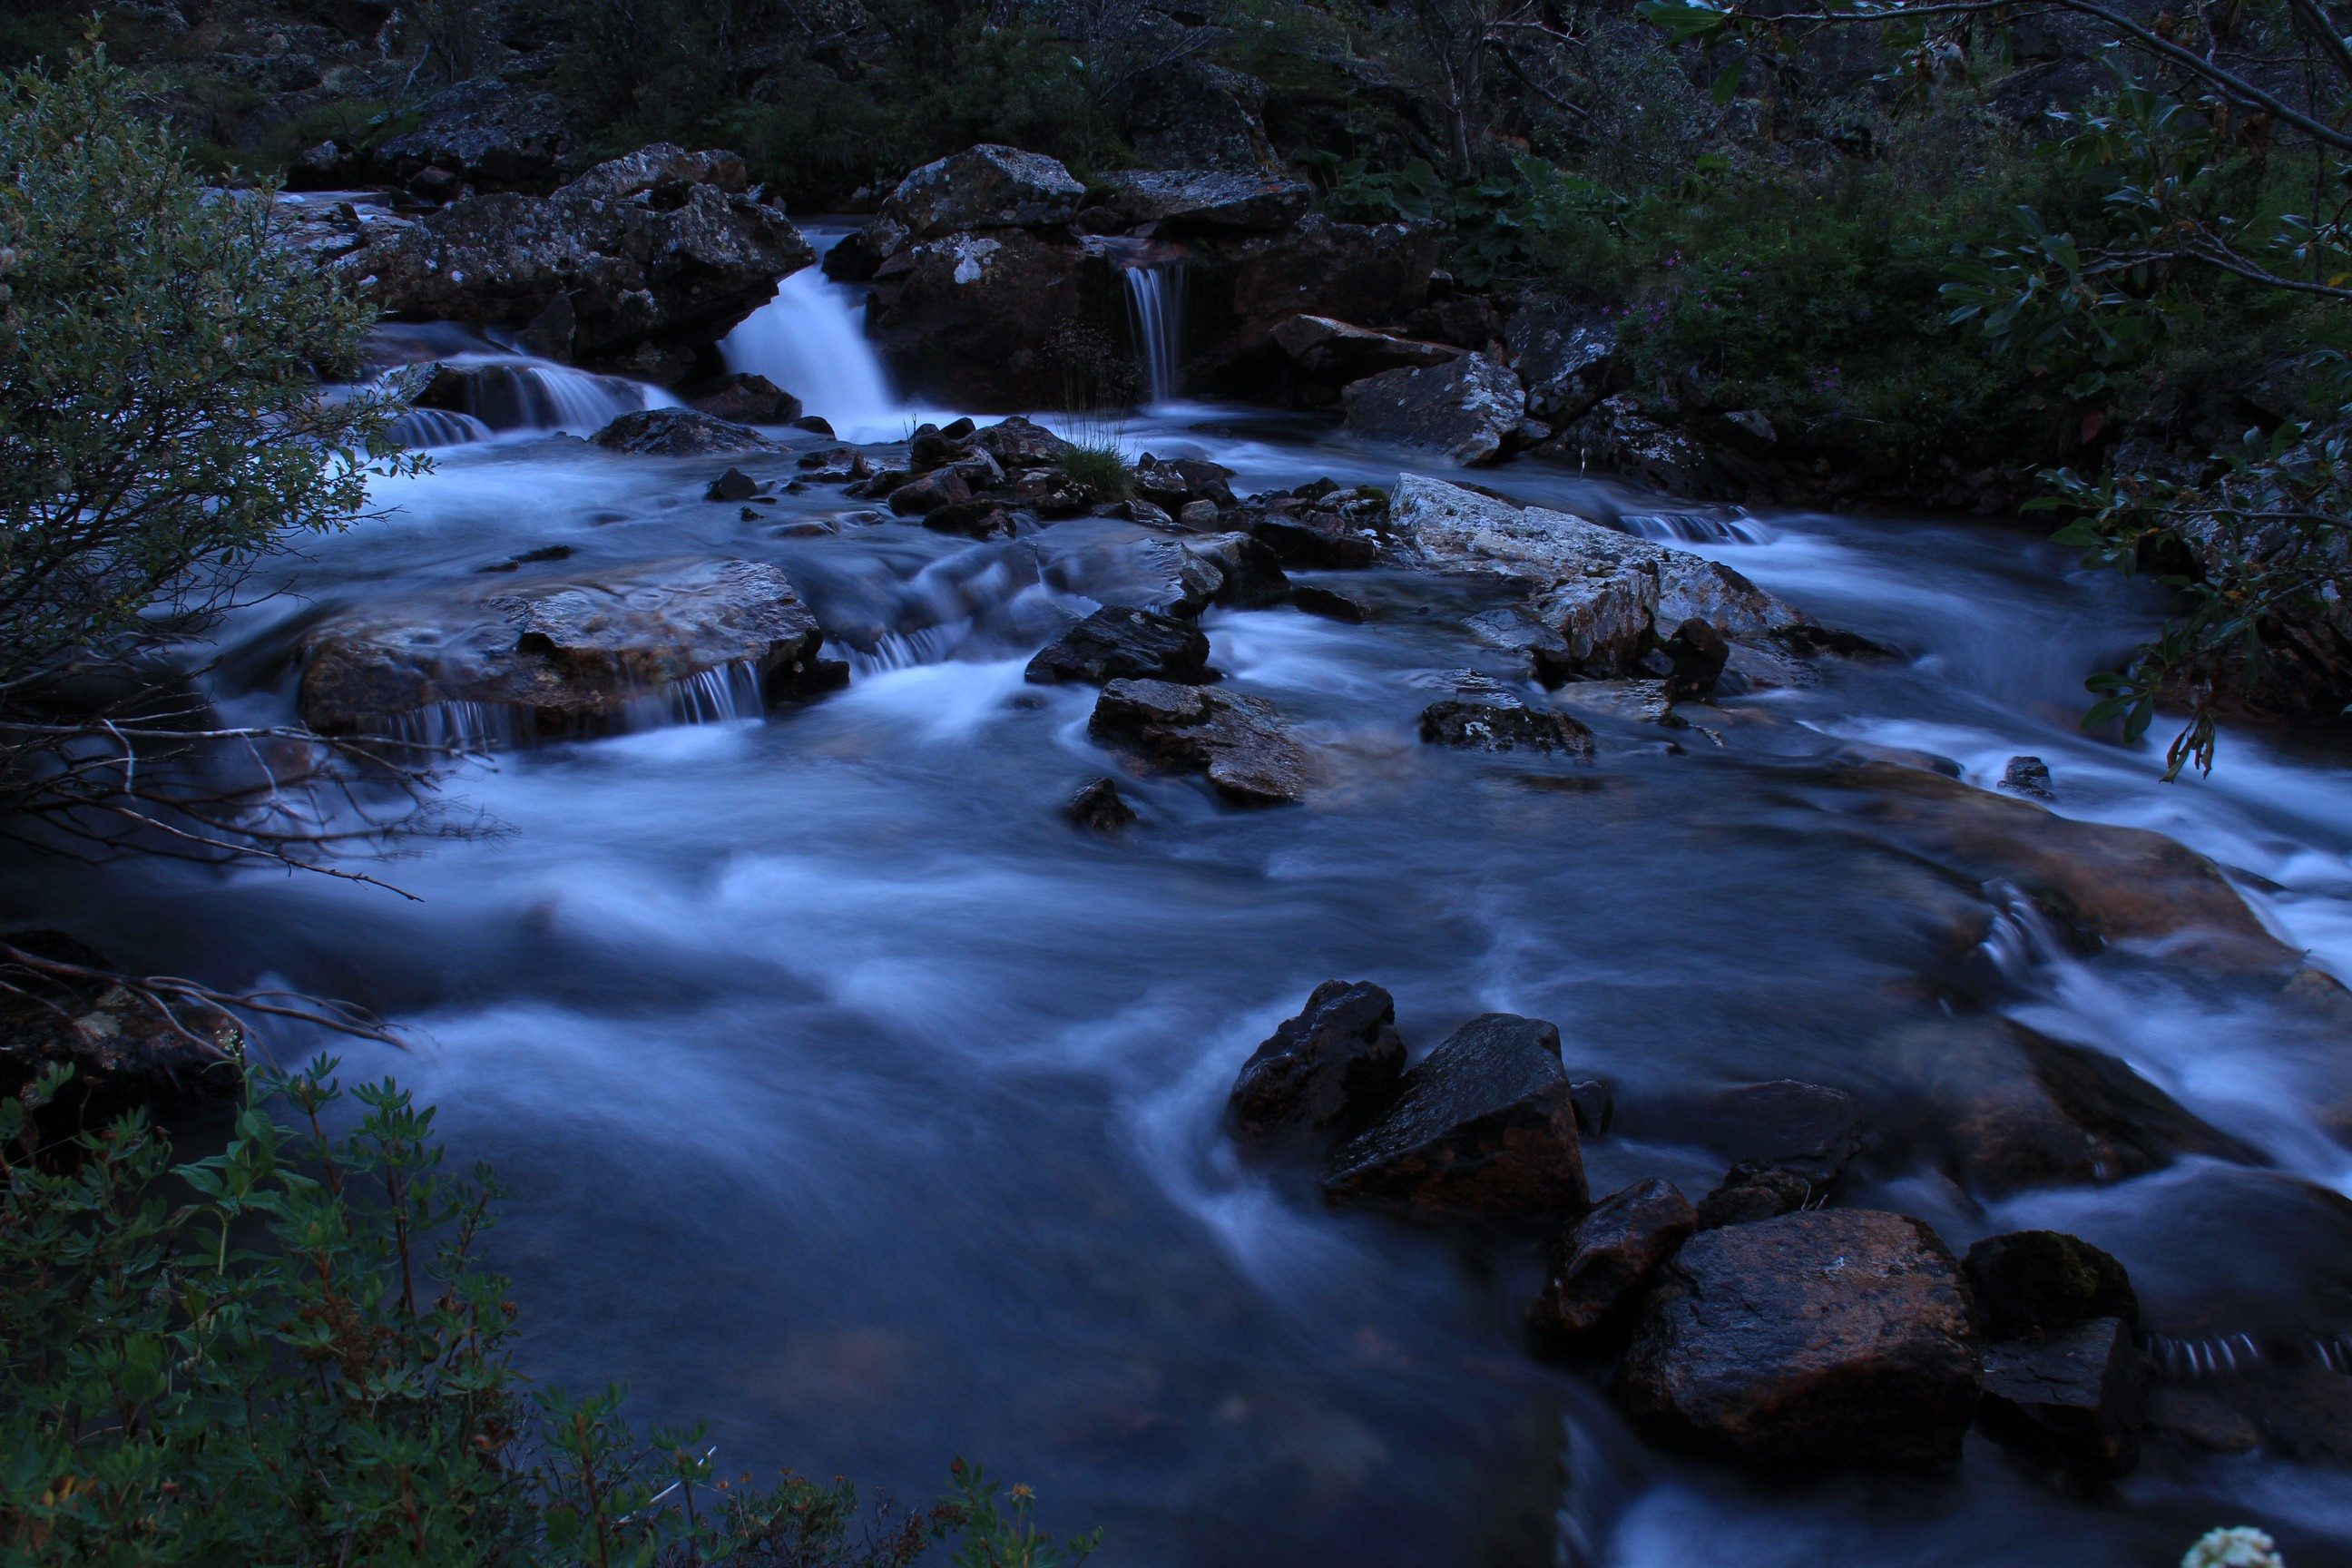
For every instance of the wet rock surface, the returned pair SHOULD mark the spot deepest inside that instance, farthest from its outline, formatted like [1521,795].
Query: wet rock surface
[1239,743]
[1599,1263]
[1485,1122]
[1199,200]
[1333,1066]
[560,658]
[680,433]
[1097,806]
[1838,1337]
[1496,723]
[1119,643]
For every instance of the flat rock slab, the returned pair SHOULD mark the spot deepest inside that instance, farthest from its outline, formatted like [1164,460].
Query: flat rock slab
[1337,1062]
[562,656]
[1485,1121]
[1238,742]
[1835,1338]
[1204,199]
[2078,1392]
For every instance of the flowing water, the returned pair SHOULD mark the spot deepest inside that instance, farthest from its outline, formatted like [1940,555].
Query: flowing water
[1155,307]
[853,1099]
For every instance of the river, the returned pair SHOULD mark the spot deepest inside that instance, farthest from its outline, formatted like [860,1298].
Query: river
[852,1099]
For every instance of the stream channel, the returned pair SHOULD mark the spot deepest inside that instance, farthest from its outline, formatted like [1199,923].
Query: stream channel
[854,1099]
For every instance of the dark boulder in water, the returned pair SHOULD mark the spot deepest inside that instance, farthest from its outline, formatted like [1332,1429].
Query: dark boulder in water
[679,432]
[1466,409]
[1334,1064]
[1485,1122]
[1117,642]
[1238,742]
[1503,724]
[1097,806]
[2032,1282]
[1600,1262]
[746,399]
[1840,1338]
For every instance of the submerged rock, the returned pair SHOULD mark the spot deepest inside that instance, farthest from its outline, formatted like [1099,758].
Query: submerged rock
[1466,409]
[1840,1338]
[1119,643]
[1238,742]
[1600,1262]
[1099,805]
[1485,1122]
[559,658]
[1336,1064]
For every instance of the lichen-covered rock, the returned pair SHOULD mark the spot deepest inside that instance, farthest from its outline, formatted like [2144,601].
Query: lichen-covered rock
[488,133]
[1485,1122]
[641,265]
[965,316]
[1599,1263]
[1190,114]
[1120,642]
[560,656]
[1565,357]
[1466,408]
[1836,1338]
[1615,436]
[982,187]
[1237,742]
[1184,201]
[1335,1065]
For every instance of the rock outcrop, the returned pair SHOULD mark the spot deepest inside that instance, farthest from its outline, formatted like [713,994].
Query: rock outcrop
[1333,1066]
[1201,201]
[1485,1122]
[640,265]
[1839,1338]
[486,133]
[560,656]
[1237,740]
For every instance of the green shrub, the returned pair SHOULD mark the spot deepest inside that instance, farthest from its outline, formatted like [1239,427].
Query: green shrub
[289,1351]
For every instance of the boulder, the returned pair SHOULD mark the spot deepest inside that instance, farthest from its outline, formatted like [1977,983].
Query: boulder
[1696,655]
[558,657]
[1485,1122]
[1182,201]
[1117,563]
[745,399]
[1017,444]
[1607,593]
[125,1053]
[1466,409]
[1503,724]
[1239,287]
[1838,1337]
[983,188]
[1314,600]
[966,317]
[835,464]
[1600,1262]
[1335,350]
[1117,642]
[1250,574]
[1190,114]
[1319,525]
[1238,742]
[1097,806]
[488,133]
[1756,1191]
[1177,482]
[2027,777]
[1550,659]
[1565,357]
[926,494]
[1617,437]
[2039,1281]
[639,265]
[680,433]
[1336,1064]
[1802,1127]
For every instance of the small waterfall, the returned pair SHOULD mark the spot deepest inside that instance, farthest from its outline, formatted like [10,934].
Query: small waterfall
[1155,307]
[437,427]
[1694,528]
[904,650]
[810,340]
[452,725]
[534,394]
[723,694]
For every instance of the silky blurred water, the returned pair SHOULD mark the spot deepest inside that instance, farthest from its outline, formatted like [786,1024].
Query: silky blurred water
[854,1099]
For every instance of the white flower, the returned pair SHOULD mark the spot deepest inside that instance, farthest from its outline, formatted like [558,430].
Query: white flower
[2239,1547]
